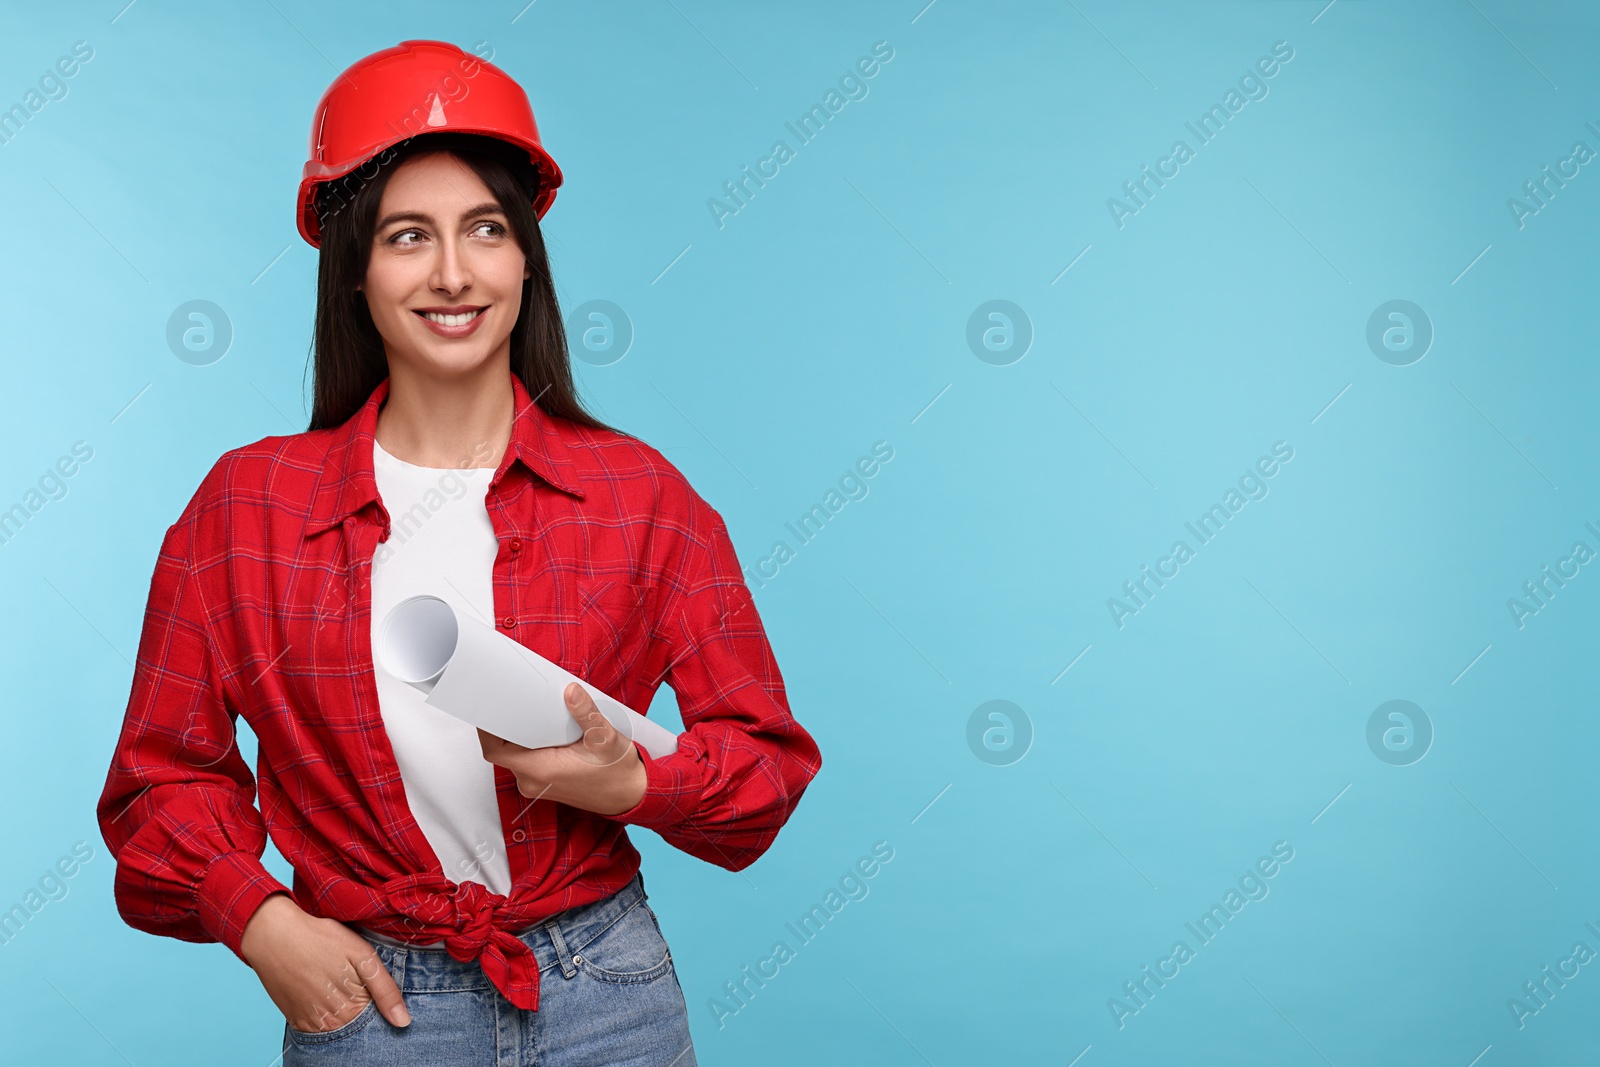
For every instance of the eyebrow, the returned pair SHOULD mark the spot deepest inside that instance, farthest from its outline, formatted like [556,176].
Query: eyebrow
[489,208]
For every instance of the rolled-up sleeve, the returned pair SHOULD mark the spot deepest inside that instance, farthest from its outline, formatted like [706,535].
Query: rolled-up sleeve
[178,808]
[743,761]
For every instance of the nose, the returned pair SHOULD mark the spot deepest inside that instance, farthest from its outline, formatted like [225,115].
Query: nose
[451,273]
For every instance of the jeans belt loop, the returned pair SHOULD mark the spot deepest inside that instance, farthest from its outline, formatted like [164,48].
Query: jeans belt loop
[396,966]
[553,925]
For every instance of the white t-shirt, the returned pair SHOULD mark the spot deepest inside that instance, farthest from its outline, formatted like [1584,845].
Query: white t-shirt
[440,543]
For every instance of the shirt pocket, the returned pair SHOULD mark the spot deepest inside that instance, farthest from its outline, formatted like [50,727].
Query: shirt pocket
[613,629]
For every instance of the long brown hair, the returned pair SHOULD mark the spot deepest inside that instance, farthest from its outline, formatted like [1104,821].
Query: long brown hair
[348,358]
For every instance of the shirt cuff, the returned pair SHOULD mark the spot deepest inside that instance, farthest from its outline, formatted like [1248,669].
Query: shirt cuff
[658,808]
[231,888]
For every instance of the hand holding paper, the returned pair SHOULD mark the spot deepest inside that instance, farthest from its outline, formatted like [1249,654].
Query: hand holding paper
[601,772]
[517,700]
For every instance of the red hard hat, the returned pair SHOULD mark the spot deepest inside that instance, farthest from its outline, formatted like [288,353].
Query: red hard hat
[416,87]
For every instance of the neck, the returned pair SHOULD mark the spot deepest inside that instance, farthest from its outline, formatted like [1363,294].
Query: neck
[456,421]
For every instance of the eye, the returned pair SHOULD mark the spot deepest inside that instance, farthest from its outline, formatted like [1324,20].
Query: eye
[397,238]
[494,228]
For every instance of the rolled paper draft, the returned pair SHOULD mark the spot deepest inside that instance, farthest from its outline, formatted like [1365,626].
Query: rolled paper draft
[480,675]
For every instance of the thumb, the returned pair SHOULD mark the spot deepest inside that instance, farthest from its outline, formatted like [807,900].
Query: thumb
[383,990]
[597,729]
[600,735]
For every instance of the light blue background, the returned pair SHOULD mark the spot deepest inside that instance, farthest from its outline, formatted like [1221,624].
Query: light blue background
[831,313]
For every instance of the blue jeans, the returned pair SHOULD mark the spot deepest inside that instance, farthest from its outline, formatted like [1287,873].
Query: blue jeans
[608,994]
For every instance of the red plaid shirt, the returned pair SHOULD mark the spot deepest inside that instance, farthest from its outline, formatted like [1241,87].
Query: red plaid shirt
[610,565]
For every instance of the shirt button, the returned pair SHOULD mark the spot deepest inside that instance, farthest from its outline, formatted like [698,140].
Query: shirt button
[518,836]
[516,544]
[509,621]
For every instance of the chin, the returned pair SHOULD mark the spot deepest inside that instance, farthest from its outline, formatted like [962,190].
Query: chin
[454,361]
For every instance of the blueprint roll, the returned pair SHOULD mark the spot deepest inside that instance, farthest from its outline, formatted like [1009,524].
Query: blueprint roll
[480,675]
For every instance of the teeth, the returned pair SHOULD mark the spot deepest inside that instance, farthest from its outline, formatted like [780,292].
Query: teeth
[452,320]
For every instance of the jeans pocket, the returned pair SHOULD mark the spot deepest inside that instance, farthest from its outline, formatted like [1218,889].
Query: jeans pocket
[630,950]
[317,1037]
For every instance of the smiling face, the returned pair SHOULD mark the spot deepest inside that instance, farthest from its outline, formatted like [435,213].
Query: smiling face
[444,281]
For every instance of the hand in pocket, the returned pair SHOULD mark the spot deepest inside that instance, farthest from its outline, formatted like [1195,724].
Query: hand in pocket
[320,973]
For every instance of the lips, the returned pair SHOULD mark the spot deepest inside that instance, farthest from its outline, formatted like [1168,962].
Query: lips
[458,321]
[451,320]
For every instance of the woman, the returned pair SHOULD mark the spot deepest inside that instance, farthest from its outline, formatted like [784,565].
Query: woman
[457,899]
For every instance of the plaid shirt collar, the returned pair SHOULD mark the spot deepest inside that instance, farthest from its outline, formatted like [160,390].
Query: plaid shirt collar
[347,483]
